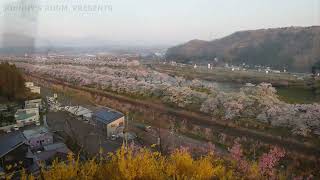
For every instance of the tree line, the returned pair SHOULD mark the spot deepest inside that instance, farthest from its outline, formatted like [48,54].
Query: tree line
[11,82]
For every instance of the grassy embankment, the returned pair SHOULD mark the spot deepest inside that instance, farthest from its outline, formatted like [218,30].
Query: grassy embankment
[290,88]
[226,75]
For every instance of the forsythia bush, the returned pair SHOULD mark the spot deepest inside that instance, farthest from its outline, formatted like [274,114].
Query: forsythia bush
[143,164]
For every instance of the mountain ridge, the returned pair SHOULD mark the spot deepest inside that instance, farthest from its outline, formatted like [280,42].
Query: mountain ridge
[293,48]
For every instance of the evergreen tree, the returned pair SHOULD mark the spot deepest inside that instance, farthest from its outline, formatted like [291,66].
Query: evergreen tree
[11,82]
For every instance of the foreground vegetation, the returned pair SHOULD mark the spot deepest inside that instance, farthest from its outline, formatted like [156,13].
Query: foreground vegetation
[140,163]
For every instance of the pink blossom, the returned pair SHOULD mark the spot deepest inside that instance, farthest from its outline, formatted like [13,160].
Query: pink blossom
[269,160]
[237,154]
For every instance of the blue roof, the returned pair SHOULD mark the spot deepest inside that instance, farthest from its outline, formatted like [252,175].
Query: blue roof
[10,142]
[106,115]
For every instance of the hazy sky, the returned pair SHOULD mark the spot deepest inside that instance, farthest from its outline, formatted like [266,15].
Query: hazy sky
[154,22]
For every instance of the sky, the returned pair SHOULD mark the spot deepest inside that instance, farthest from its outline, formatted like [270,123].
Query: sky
[149,22]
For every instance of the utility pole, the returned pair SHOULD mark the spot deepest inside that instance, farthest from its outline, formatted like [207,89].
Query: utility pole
[125,131]
[159,133]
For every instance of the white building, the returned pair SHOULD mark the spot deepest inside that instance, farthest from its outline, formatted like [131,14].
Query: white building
[32,87]
[28,84]
[79,111]
[33,103]
[28,116]
[35,89]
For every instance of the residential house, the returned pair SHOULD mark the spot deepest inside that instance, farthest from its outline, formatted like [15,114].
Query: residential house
[14,150]
[35,89]
[52,152]
[3,107]
[33,103]
[28,84]
[38,137]
[80,111]
[27,116]
[108,120]
[32,87]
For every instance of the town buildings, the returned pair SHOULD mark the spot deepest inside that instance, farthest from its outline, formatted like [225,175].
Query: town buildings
[32,87]
[21,150]
[3,107]
[52,152]
[108,120]
[28,116]
[14,150]
[33,103]
[79,111]
[38,137]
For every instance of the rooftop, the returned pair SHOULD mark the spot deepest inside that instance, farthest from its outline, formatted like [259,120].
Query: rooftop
[22,114]
[31,106]
[79,111]
[34,101]
[59,147]
[3,107]
[35,132]
[106,115]
[10,142]
[52,152]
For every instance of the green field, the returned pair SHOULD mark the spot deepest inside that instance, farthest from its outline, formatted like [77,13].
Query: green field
[297,95]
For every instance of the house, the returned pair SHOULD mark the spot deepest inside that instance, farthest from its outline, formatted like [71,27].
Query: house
[35,89]
[32,87]
[108,120]
[38,137]
[28,84]
[52,152]
[14,150]
[80,111]
[33,103]
[3,107]
[25,117]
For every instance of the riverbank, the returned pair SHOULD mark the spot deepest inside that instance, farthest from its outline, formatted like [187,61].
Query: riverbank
[291,87]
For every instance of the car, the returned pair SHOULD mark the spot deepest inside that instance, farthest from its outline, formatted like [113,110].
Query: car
[113,137]
[16,128]
[147,128]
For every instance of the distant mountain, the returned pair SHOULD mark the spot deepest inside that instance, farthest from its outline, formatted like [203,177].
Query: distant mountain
[296,48]
[21,44]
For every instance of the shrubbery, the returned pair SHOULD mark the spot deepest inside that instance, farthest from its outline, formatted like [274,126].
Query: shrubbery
[141,163]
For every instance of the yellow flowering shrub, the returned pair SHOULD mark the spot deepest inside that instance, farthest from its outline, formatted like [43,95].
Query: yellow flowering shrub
[143,164]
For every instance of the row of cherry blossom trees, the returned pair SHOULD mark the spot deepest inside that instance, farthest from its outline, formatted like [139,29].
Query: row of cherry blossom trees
[82,60]
[262,103]
[259,102]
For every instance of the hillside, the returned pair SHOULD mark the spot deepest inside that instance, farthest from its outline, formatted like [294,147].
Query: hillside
[296,48]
